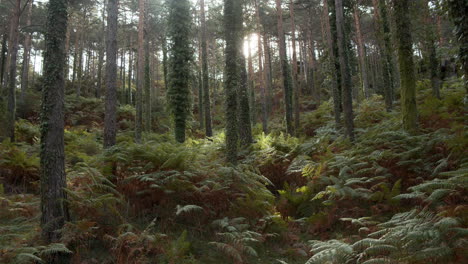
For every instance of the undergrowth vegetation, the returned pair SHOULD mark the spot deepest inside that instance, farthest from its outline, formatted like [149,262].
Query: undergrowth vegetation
[389,197]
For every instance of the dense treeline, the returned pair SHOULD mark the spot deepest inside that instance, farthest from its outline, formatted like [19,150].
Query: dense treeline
[246,131]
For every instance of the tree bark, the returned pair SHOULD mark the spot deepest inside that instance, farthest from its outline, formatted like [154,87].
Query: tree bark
[384,43]
[53,179]
[101,52]
[361,52]
[232,31]
[205,77]
[13,56]
[346,86]
[26,55]
[250,80]
[296,88]
[286,75]
[331,51]
[405,60]
[263,73]
[3,58]
[140,71]
[110,119]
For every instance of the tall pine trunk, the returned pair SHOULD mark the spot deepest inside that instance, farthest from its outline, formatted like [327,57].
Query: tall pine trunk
[140,71]
[110,119]
[405,60]
[285,72]
[361,52]
[332,59]
[232,31]
[296,88]
[13,56]
[26,55]
[263,73]
[205,77]
[346,85]
[53,179]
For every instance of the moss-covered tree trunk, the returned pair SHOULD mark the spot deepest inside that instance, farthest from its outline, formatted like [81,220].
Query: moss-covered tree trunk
[232,31]
[110,119]
[285,71]
[406,63]
[205,79]
[53,179]
[180,56]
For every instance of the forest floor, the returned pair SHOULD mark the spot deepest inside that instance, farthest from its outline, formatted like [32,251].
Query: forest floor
[388,197]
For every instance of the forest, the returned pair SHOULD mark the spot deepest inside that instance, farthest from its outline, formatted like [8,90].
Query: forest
[233,131]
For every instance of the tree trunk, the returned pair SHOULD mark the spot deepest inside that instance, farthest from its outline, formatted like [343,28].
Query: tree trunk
[110,119]
[205,77]
[296,88]
[245,128]
[140,71]
[3,58]
[130,72]
[232,31]
[268,74]
[405,60]
[101,53]
[361,52]
[286,76]
[148,95]
[331,51]
[26,55]
[53,179]
[180,58]
[11,93]
[384,43]
[346,86]
[263,73]
[250,81]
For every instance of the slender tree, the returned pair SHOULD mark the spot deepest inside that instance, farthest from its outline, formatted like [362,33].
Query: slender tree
[346,86]
[264,76]
[205,77]
[285,71]
[334,74]
[232,31]
[361,51]
[140,71]
[110,120]
[296,88]
[12,58]
[406,63]
[458,10]
[53,179]
[179,62]
[385,47]
[101,52]
[26,54]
